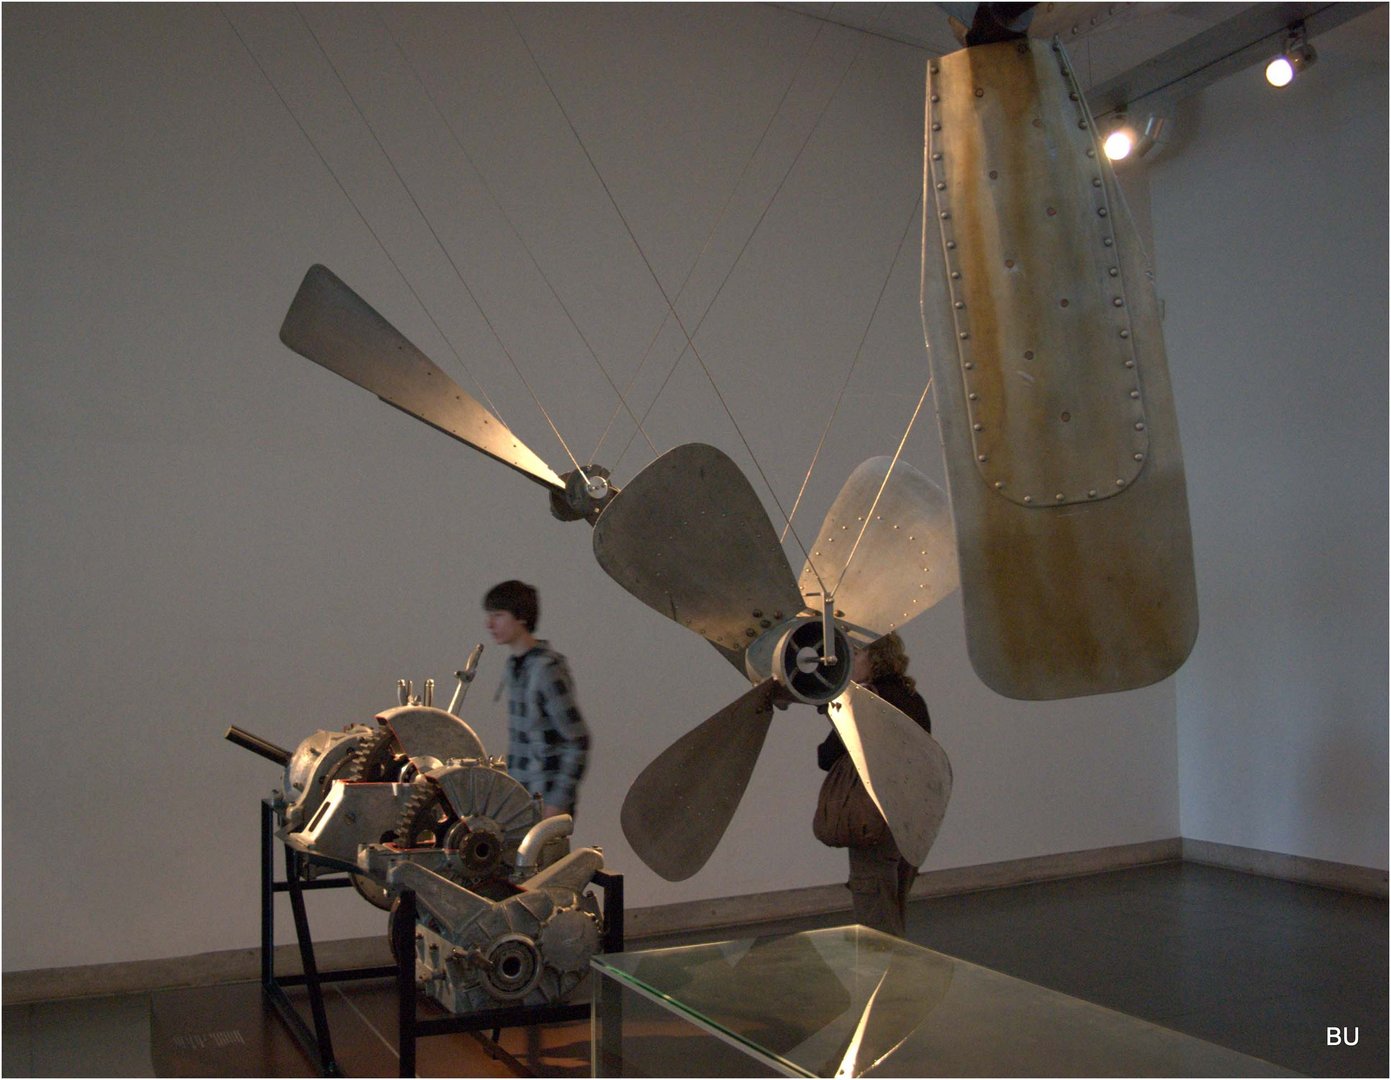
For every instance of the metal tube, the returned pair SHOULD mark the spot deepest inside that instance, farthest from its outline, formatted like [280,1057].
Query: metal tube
[258,745]
[539,835]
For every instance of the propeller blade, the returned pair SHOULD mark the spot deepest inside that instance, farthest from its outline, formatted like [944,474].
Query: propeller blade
[690,538]
[904,563]
[331,325]
[680,805]
[904,769]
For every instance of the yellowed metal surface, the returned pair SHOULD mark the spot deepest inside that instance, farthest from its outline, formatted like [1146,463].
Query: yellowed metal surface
[1052,387]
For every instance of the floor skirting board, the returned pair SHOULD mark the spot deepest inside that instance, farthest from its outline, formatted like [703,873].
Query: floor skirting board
[243,965]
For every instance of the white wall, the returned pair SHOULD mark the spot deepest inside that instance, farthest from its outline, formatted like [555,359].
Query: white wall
[201,528]
[1270,225]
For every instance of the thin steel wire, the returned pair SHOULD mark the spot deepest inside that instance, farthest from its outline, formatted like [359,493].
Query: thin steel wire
[709,236]
[733,266]
[907,228]
[653,273]
[869,514]
[333,175]
[362,115]
[535,263]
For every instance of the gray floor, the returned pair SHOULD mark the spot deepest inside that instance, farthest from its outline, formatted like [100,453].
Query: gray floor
[1261,966]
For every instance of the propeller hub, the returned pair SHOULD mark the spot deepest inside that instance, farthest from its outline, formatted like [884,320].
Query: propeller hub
[793,652]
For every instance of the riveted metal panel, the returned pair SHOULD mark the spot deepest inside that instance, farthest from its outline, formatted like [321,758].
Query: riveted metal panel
[904,562]
[690,538]
[1089,595]
[1040,307]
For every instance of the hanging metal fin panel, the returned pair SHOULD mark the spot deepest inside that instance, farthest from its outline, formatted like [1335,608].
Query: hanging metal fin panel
[331,325]
[1027,226]
[904,563]
[689,537]
[680,805]
[904,769]
[1092,592]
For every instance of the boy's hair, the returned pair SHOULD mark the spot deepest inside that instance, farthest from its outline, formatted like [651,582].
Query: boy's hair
[518,599]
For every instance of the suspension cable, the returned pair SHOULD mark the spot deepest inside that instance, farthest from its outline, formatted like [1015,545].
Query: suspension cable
[709,236]
[855,362]
[443,248]
[333,175]
[869,514]
[531,255]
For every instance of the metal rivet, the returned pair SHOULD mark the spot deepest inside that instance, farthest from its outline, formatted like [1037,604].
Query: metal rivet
[999,485]
[944,215]
[1063,302]
[1120,483]
[951,245]
[973,397]
[765,624]
[1130,363]
[1108,241]
[1134,393]
[1125,333]
[1073,96]
[978,427]
[1009,264]
[964,335]
[936,98]
[1114,272]
[1028,354]
[968,365]
[758,614]
[937,156]
[1101,211]
[1052,212]
[751,632]
[1118,302]
[1091,494]
[933,68]
[994,174]
[959,305]
[1096,181]
[981,457]
[1082,124]
[1139,457]
[1091,152]
[1028,498]
[1140,426]
[956,275]
[941,185]
[936,127]
[1059,496]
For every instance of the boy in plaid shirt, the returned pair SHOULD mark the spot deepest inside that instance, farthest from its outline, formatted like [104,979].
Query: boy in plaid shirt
[548,742]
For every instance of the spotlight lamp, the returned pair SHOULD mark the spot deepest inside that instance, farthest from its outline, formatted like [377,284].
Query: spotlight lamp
[1125,139]
[1297,55]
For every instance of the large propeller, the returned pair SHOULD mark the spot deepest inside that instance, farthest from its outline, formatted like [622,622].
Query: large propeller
[689,537]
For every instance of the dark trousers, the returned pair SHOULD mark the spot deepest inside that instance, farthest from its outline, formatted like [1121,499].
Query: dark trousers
[879,882]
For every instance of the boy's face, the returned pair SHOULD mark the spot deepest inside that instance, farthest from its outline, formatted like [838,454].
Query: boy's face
[504,627]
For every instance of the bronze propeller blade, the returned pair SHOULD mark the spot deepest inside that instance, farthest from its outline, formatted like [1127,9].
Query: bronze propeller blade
[331,325]
[905,771]
[680,805]
[689,538]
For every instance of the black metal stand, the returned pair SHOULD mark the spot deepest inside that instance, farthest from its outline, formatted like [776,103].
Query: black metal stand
[317,1044]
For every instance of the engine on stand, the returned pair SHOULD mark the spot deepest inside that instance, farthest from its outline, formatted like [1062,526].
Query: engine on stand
[504,915]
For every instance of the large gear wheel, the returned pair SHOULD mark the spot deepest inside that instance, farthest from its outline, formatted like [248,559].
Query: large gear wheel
[378,758]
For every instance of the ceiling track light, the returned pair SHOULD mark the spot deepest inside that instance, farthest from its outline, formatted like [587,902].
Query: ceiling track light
[1296,56]
[1125,139]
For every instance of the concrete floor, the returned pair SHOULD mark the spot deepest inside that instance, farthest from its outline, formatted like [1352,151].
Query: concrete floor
[1261,966]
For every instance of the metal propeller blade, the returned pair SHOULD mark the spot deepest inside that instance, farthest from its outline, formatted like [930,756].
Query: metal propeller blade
[689,538]
[680,805]
[906,560]
[905,771]
[331,325]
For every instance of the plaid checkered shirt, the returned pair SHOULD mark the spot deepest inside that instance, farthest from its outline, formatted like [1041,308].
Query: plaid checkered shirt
[548,742]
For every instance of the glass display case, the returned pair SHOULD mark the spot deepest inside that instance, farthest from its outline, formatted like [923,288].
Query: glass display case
[850,1001]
